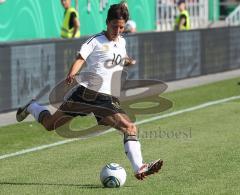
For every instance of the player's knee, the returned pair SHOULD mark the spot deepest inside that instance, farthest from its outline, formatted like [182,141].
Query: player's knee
[131,129]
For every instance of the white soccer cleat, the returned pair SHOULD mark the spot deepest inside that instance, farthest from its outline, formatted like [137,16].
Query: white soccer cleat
[22,112]
[148,169]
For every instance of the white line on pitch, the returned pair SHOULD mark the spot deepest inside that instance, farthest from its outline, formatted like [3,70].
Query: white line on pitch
[110,130]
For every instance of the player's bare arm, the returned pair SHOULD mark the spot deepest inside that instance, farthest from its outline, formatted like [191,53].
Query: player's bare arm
[76,66]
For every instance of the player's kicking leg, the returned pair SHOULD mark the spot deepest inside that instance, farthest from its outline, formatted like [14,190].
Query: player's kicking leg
[42,115]
[32,107]
[132,146]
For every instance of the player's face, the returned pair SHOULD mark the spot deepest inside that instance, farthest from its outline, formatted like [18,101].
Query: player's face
[115,28]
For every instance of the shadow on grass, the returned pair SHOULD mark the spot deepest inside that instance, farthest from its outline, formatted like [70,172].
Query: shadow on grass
[52,184]
[88,186]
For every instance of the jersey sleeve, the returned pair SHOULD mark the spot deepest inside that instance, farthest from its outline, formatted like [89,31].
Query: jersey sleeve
[87,48]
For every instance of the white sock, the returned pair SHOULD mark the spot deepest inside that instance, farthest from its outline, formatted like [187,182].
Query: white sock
[35,109]
[134,154]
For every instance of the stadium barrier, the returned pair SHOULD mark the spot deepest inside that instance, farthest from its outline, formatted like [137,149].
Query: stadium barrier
[27,67]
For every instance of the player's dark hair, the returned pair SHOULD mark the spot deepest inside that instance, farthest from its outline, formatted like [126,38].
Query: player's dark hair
[118,12]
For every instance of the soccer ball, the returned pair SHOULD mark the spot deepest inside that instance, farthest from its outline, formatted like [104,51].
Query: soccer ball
[113,175]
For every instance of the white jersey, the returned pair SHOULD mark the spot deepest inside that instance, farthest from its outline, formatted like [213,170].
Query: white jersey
[105,60]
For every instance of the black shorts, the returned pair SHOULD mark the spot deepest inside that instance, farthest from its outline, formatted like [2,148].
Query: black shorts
[84,101]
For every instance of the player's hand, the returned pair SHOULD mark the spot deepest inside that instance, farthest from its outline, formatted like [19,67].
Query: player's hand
[70,78]
[129,61]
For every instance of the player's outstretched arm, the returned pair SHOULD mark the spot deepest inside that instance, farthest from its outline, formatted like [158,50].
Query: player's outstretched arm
[76,66]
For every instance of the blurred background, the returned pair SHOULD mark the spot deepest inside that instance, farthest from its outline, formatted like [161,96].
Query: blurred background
[37,19]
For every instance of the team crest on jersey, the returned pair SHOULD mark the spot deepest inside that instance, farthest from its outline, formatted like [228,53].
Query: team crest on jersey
[105,48]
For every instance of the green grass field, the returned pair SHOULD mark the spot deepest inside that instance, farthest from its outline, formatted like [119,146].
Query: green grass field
[200,150]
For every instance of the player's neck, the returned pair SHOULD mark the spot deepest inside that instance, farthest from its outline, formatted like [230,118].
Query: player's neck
[108,36]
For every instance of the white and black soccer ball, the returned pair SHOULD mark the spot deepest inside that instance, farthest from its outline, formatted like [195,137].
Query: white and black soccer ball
[113,175]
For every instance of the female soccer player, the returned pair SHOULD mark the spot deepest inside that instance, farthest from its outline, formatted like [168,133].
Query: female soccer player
[104,55]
